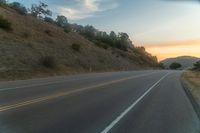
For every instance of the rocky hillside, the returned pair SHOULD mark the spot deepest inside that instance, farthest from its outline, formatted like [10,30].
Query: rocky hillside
[32,47]
[185,61]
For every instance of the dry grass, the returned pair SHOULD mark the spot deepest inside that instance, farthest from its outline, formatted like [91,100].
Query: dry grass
[31,39]
[193,81]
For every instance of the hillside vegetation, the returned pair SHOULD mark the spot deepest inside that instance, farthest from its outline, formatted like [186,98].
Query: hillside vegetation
[31,47]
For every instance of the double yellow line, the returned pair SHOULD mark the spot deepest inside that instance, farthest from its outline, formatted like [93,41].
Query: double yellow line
[46,98]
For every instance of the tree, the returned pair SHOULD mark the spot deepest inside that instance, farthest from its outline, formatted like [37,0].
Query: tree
[90,31]
[124,41]
[40,10]
[175,65]
[113,35]
[3,2]
[197,66]
[161,65]
[49,20]
[113,38]
[18,7]
[62,21]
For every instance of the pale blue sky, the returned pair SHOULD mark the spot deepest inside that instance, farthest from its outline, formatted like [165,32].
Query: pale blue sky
[146,21]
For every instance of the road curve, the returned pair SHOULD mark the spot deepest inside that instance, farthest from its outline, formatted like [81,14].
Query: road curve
[117,102]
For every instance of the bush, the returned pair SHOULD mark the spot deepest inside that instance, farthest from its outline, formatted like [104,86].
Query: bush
[102,45]
[67,30]
[48,62]
[2,2]
[5,24]
[25,35]
[49,20]
[197,66]
[18,7]
[48,32]
[161,65]
[175,65]
[76,47]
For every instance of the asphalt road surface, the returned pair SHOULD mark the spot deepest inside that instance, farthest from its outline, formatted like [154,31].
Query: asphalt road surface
[115,102]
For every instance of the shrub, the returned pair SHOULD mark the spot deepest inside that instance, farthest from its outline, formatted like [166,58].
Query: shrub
[48,32]
[197,66]
[5,24]
[161,65]
[76,47]
[49,20]
[102,45]
[67,30]
[18,7]
[48,61]
[175,65]
[25,34]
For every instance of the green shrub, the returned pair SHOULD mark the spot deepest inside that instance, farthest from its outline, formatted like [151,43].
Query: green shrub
[5,24]
[175,66]
[76,47]
[48,62]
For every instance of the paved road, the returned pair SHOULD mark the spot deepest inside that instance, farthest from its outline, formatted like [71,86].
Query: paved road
[117,102]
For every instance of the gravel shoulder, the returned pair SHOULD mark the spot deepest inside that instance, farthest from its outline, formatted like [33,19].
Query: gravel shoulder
[191,83]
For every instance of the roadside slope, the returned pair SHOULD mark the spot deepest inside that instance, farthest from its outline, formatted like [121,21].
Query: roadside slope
[24,50]
[191,84]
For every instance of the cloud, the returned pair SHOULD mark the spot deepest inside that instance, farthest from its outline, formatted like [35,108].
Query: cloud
[87,8]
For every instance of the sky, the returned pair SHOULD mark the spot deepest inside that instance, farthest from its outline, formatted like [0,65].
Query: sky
[167,28]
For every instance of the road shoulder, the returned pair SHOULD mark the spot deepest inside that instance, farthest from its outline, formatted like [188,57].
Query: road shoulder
[191,84]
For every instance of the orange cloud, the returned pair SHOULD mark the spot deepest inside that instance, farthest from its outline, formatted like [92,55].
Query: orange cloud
[174,49]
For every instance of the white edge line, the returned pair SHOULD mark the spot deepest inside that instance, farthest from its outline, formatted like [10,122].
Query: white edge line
[113,123]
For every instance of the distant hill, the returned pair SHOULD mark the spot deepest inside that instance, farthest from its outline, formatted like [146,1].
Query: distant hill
[36,48]
[185,61]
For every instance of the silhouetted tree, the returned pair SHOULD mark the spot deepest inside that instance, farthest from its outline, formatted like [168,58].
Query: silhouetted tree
[175,65]
[61,21]
[40,10]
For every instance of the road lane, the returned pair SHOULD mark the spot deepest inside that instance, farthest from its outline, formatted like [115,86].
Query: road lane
[166,109]
[126,111]
[91,111]
[35,91]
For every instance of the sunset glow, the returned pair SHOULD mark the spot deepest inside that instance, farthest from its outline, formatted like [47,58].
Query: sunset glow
[174,49]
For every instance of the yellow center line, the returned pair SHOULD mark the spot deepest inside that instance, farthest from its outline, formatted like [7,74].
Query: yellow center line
[37,100]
